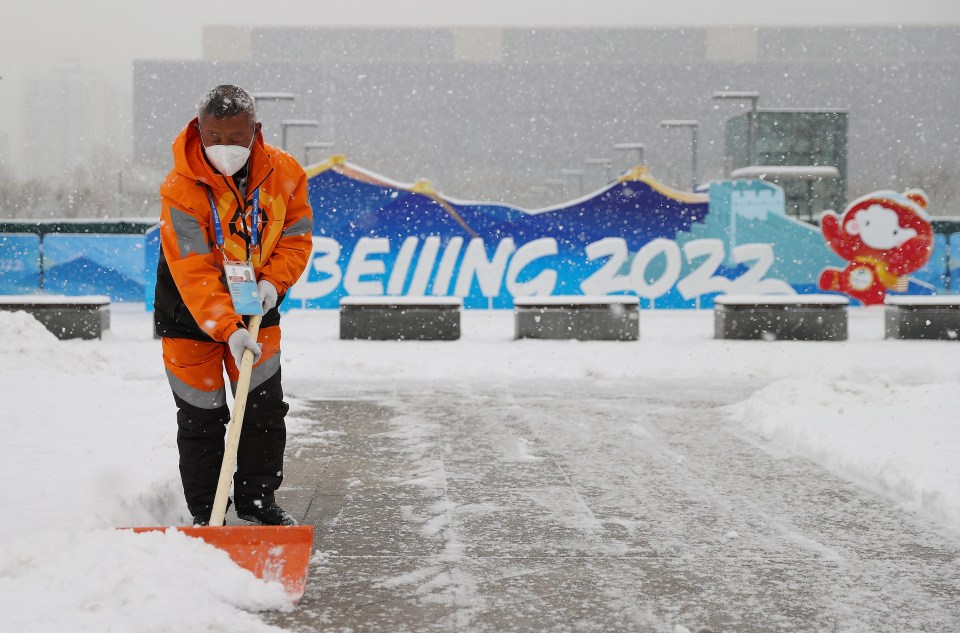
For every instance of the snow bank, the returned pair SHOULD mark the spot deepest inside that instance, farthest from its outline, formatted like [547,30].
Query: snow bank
[110,580]
[89,423]
[89,439]
[900,440]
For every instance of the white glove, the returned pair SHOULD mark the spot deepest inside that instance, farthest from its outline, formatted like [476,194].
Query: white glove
[240,341]
[268,294]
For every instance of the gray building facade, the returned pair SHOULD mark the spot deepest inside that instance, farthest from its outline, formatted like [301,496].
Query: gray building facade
[493,113]
[794,138]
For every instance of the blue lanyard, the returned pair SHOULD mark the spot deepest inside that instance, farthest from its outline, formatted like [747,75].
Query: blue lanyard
[254,217]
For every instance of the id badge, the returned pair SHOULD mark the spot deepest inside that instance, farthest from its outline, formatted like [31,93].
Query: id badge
[243,288]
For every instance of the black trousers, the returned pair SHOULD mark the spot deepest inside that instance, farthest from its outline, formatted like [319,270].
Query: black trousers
[200,438]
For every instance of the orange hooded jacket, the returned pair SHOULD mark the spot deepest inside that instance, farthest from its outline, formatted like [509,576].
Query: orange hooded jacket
[192,299]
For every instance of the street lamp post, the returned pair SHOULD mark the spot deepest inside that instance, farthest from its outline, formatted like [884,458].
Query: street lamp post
[579,174]
[753,97]
[315,145]
[632,147]
[270,96]
[288,123]
[693,124]
[606,163]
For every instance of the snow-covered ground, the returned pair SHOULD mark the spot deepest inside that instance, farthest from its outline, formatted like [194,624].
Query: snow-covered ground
[89,441]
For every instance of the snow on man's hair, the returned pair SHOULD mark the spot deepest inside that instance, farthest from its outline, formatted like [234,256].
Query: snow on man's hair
[227,101]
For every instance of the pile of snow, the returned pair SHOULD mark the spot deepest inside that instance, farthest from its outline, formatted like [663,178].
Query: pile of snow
[112,580]
[90,445]
[900,440]
[92,440]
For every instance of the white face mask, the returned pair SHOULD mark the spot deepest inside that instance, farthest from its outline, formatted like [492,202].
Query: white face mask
[228,159]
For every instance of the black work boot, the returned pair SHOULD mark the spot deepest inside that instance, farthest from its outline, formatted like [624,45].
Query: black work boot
[201,515]
[264,512]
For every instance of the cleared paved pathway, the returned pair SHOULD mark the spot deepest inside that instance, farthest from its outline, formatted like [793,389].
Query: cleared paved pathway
[582,506]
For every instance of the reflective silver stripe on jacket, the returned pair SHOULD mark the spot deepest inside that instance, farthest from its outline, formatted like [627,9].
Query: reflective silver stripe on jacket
[198,398]
[301,226]
[191,238]
[261,373]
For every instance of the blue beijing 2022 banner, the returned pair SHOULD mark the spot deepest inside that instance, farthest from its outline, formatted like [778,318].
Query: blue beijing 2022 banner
[635,236]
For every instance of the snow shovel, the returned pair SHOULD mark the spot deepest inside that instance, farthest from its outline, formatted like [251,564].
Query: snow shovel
[278,553]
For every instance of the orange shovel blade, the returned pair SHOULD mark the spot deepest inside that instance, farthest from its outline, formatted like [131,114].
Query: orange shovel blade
[278,553]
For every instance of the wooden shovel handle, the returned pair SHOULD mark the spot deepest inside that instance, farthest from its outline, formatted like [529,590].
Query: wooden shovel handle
[233,429]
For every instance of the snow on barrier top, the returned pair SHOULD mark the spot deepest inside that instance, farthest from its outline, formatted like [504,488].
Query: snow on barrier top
[565,300]
[923,300]
[781,299]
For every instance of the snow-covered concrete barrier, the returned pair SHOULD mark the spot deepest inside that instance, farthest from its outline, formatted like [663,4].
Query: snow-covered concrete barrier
[922,317]
[395,318]
[585,318]
[65,317]
[781,317]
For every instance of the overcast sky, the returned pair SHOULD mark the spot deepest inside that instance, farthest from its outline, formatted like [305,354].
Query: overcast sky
[107,35]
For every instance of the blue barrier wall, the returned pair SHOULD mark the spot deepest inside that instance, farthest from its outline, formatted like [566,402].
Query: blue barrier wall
[933,275]
[953,248]
[111,265]
[151,255]
[19,263]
